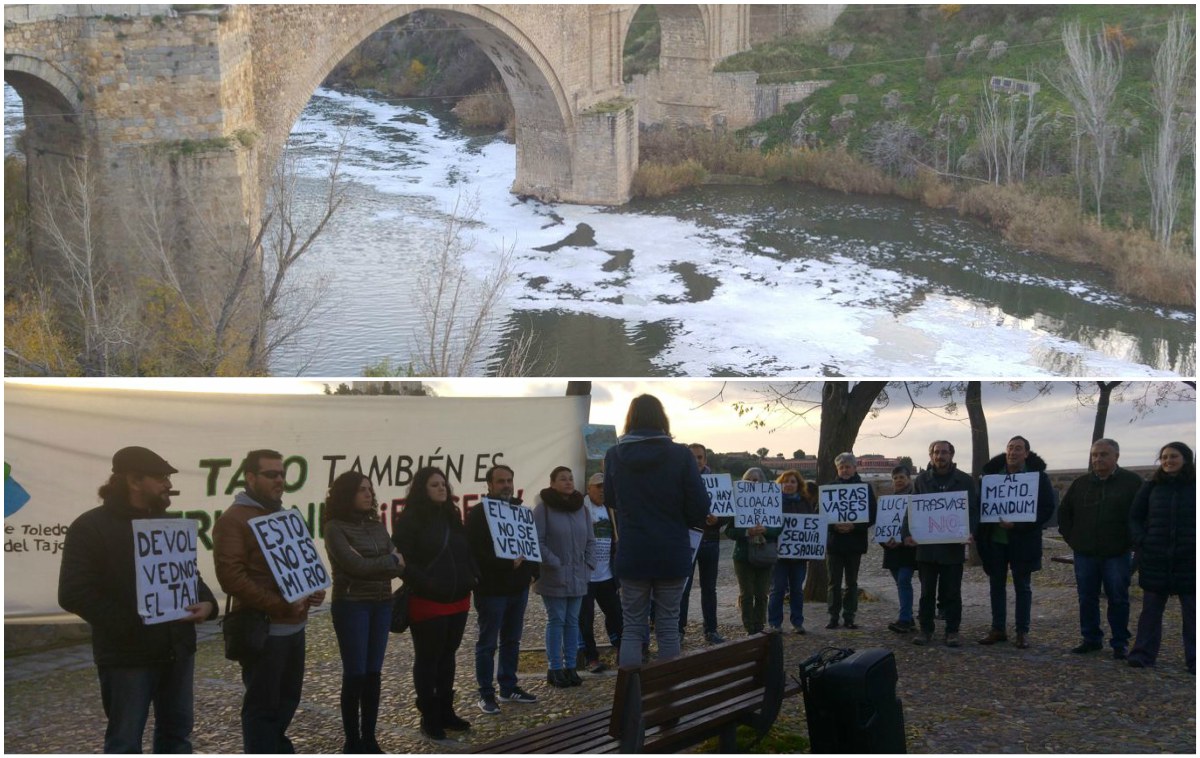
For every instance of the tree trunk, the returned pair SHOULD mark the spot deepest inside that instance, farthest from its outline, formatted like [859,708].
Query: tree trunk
[842,412]
[979,446]
[1106,390]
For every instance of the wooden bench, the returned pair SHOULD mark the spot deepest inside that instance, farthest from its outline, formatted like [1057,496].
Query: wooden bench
[667,706]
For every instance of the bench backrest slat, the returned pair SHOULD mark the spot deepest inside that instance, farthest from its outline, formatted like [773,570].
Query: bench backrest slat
[669,689]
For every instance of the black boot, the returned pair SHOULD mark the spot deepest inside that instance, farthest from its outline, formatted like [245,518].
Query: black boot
[352,690]
[450,720]
[557,678]
[572,677]
[431,718]
[370,714]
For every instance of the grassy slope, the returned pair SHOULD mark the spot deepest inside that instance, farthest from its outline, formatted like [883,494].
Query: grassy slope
[894,42]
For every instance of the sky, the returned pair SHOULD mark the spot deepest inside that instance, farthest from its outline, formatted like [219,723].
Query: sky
[1057,426]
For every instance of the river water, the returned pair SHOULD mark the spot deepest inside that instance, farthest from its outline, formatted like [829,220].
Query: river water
[722,281]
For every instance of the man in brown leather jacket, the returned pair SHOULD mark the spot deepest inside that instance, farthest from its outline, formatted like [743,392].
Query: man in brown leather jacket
[273,680]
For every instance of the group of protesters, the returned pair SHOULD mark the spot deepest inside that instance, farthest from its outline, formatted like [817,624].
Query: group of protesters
[627,544]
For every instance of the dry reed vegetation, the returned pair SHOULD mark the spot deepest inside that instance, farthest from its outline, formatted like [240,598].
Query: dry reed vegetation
[676,160]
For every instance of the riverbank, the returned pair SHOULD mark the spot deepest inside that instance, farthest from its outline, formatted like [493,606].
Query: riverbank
[971,699]
[676,161]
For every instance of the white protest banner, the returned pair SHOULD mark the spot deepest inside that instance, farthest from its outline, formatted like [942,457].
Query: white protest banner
[804,536]
[52,428]
[1009,497]
[846,503]
[889,517]
[514,534]
[720,493]
[939,518]
[291,554]
[164,557]
[757,503]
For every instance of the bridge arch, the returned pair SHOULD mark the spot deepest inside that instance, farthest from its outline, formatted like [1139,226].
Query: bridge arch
[545,124]
[687,54]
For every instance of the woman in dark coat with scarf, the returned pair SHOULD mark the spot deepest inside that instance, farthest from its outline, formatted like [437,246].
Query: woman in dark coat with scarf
[1163,524]
[364,562]
[440,574]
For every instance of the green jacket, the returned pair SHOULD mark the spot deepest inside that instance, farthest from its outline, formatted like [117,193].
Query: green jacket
[738,535]
[1094,515]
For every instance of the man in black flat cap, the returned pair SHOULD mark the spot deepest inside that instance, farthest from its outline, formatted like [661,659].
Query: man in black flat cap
[138,664]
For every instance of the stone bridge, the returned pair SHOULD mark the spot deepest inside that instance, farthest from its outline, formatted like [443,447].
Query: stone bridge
[201,101]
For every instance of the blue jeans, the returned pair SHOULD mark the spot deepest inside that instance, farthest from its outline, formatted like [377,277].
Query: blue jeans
[708,559]
[636,596]
[1022,588]
[562,631]
[787,577]
[273,682]
[1113,575]
[362,628]
[127,693]
[501,619]
[903,577]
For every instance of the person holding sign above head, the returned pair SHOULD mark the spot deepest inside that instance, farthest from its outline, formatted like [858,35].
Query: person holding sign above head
[568,549]
[273,677]
[653,486]
[1016,501]
[787,577]
[943,512]
[1093,518]
[440,574]
[602,585]
[364,562]
[849,505]
[143,640]
[500,597]
[1163,523]
[754,574]
[900,559]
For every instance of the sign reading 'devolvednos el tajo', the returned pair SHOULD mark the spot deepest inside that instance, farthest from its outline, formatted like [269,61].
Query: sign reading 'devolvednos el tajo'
[720,493]
[757,503]
[1009,497]
[939,518]
[889,517]
[49,430]
[291,554]
[164,558]
[804,536]
[845,503]
[514,534]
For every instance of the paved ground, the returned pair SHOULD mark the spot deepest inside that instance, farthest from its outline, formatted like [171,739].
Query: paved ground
[968,700]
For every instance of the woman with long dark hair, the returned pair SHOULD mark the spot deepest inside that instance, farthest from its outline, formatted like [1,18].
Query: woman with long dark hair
[568,546]
[440,574]
[364,562]
[1163,524]
[653,484]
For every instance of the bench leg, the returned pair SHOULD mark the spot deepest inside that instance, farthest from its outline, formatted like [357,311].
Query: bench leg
[727,740]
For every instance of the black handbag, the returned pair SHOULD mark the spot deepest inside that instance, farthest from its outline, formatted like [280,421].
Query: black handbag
[762,554]
[245,632]
[400,610]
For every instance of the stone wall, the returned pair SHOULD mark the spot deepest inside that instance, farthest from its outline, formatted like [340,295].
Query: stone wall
[739,101]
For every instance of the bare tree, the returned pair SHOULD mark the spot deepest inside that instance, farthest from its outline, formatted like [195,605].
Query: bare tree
[1089,82]
[66,216]
[458,312]
[1144,397]
[1172,69]
[1005,138]
[257,302]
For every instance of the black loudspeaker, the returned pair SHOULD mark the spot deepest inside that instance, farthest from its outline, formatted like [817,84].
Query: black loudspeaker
[851,704]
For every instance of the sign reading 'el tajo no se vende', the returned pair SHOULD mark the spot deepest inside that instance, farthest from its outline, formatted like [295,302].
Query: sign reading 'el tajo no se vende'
[804,536]
[1009,497]
[514,533]
[846,503]
[164,555]
[291,554]
[757,504]
[939,517]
